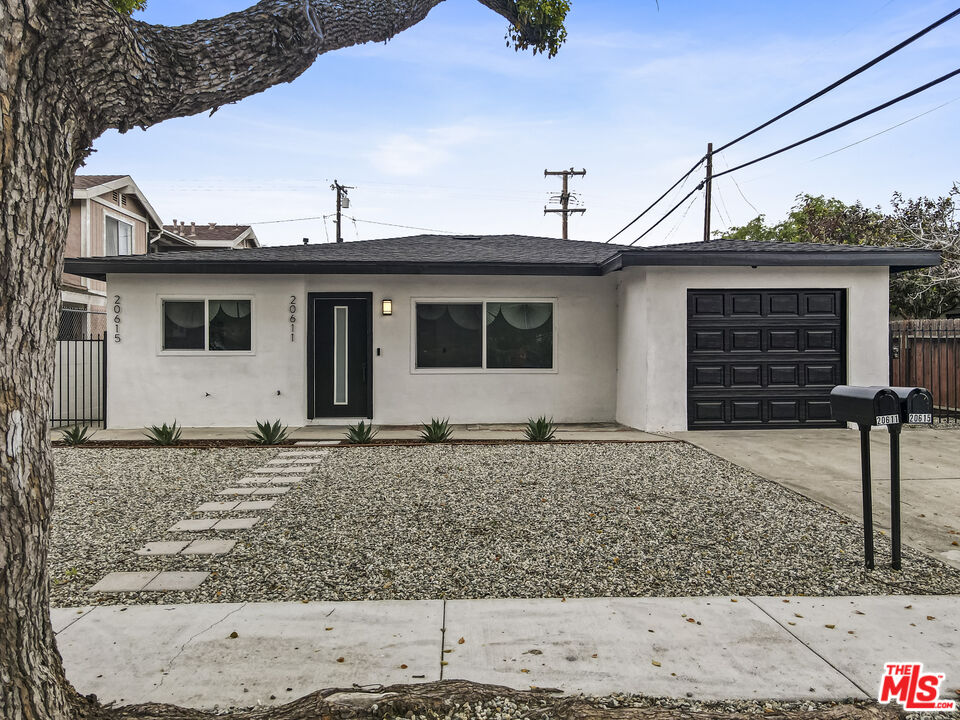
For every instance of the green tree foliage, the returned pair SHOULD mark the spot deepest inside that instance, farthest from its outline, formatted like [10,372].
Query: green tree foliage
[127,7]
[922,223]
[539,26]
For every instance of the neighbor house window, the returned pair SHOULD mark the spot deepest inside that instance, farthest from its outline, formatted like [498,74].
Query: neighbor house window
[214,325]
[482,335]
[118,237]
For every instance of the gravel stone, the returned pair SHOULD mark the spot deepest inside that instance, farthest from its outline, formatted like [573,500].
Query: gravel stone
[478,521]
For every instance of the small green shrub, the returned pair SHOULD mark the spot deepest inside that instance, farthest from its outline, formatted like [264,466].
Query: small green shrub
[77,435]
[164,435]
[268,433]
[540,429]
[360,434]
[437,431]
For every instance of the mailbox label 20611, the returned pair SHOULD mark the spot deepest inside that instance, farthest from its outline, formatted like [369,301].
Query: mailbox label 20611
[888,420]
[920,418]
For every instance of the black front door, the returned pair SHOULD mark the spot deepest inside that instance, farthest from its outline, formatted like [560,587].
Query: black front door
[339,363]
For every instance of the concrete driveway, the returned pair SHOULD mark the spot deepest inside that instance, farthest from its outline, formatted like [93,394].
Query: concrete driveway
[824,465]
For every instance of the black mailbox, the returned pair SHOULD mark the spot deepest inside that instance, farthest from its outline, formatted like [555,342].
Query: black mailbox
[865,406]
[916,405]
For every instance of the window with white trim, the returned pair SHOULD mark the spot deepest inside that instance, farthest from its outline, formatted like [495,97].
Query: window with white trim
[117,236]
[214,325]
[494,335]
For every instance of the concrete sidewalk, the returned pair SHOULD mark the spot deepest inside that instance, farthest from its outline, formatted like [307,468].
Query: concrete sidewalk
[824,465]
[708,648]
[589,432]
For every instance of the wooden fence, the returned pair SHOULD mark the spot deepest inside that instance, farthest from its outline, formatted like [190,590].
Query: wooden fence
[926,353]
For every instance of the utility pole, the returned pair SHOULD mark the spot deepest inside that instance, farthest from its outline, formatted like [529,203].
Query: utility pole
[342,202]
[707,198]
[564,197]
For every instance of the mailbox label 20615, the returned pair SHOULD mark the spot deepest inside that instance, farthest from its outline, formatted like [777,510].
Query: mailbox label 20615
[888,420]
[920,418]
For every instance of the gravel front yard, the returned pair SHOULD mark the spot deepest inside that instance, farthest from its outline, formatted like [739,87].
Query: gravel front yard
[470,522]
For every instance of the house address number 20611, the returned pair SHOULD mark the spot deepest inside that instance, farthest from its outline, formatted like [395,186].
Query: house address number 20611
[293,317]
[116,318]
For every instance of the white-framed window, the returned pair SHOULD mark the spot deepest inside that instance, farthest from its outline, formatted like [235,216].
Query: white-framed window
[214,324]
[117,236]
[474,335]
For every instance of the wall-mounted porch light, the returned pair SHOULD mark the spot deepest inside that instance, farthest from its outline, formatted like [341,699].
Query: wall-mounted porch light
[386,306]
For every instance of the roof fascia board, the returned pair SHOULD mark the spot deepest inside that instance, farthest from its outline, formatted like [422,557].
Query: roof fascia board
[98,268]
[899,260]
[125,182]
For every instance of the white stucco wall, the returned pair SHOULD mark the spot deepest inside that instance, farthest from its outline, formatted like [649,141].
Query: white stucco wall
[148,387]
[652,382]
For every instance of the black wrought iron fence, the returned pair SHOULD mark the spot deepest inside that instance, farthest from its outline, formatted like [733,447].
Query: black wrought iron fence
[80,380]
[926,353]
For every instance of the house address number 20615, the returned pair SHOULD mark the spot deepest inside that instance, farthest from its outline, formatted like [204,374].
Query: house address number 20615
[116,318]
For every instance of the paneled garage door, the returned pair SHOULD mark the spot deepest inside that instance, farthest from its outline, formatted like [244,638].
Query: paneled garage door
[763,358]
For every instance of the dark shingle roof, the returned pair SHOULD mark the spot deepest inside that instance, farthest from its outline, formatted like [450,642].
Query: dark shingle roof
[493,255]
[85,182]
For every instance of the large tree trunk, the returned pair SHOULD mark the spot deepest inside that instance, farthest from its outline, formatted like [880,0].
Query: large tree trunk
[38,152]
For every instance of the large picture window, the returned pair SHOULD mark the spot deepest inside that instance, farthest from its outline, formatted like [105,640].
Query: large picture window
[449,335]
[214,325]
[118,237]
[482,335]
[519,335]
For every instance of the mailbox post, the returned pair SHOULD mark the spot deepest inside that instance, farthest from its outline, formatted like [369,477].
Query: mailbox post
[916,407]
[866,407]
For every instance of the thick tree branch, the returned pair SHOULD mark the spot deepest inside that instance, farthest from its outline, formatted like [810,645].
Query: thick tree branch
[155,72]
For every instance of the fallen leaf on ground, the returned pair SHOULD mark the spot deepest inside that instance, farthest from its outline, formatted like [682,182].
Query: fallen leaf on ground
[461,641]
[655,663]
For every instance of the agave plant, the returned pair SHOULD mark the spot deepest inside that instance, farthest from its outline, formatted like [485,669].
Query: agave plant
[540,429]
[164,434]
[437,431]
[77,435]
[360,434]
[268,433]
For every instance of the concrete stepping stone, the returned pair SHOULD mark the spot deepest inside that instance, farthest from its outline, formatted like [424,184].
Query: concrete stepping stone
[175,581]
[253,481]
[315,443]
[271,491]
[303,455]
[251,505]
[312,460]
[286,481]
[216,507]
[236,491]
[193,525]
[284,470]
[123,582]
[209,547]
[165,547]
[236,523]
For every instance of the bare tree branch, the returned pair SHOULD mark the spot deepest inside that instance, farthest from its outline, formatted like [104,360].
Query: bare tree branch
[150,73]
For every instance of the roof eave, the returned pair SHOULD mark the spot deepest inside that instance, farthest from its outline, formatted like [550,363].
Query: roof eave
[897,261]
[98,268]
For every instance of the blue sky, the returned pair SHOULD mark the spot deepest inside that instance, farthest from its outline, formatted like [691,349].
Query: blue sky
[446,128]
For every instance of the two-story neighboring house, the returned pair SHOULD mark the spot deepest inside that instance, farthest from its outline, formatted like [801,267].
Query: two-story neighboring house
[109,217]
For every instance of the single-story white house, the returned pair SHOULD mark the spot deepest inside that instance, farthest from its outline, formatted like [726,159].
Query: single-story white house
[496,329]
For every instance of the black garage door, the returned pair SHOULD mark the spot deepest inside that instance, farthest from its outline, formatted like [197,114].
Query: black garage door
[763,358]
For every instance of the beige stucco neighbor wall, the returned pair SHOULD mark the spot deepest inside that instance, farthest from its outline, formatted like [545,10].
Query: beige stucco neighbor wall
[652,382]
[147,386]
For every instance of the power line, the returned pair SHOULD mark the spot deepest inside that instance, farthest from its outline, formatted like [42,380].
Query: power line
[892,127]
[669,212]
[838,126]
[406,227]
[845,78]
[655,202]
